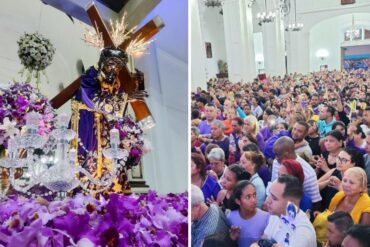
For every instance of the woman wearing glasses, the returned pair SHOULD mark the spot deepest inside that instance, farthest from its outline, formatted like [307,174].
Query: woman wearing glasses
[330,183]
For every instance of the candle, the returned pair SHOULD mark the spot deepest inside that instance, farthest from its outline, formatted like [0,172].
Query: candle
[63,120]
[114,137]
[32,120]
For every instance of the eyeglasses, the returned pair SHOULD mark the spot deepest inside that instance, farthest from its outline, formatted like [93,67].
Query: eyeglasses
[342,160]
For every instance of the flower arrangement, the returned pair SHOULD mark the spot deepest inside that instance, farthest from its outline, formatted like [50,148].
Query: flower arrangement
[15,103]
[145,220]
[36,53]
[132,140]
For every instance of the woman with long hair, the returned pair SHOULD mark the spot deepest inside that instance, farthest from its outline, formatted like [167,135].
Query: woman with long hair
[251,127]
[233,174]
[208,184]
[333,145]
[252,161]
[245,217]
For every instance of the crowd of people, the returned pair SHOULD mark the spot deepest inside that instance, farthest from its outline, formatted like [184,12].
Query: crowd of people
[283,161]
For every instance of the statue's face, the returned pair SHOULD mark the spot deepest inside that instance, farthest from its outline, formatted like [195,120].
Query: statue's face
[110,69]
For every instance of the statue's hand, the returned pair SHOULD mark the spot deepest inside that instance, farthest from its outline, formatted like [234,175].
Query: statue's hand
[139,78]
[138,95]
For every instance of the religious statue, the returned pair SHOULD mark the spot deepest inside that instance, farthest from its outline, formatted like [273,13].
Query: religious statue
[98,105]
[101,97]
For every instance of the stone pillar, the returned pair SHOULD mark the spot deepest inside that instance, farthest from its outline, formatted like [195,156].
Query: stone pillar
[298,51]
[198,53]
[238,27]
[274,46]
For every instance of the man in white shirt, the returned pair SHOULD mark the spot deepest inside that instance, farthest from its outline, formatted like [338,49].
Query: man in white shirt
[284,149]
[288,225]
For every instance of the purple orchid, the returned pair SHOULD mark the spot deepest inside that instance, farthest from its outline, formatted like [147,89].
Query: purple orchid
[18,100]
[145,220]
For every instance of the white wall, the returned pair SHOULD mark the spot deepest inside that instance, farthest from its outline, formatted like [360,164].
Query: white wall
[197,52]
[166,75]
[212,24]
[31,16]
[311,13]
[258,49]
[329,34]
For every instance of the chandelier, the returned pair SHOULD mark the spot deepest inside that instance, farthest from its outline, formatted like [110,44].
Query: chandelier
[296,26]
[213,3]
[47,161]
[354,32]
[266,17]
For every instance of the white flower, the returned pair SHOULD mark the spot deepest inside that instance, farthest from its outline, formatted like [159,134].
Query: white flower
[9,127]
[85,242]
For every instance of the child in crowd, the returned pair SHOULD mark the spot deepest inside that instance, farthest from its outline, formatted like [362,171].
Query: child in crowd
[247,222]
[233,174]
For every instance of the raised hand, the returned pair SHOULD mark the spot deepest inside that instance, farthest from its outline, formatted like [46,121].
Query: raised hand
[234,232]
[335,183]
[322,164]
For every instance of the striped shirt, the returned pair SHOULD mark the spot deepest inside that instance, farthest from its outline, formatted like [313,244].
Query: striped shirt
[213,221]
[310,184]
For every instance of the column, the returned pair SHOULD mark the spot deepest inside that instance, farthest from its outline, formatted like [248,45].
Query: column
[238,27]
[298,51]
[274,46]
[198,54]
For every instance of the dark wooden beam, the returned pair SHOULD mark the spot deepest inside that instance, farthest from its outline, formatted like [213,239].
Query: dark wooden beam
[66,94]
[99,24]
[147,31]
[345,2]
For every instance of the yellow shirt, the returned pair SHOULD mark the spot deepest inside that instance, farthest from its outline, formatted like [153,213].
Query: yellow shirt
[362,206]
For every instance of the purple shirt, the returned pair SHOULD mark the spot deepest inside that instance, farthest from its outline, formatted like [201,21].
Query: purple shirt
[266,133]
[264,174]
[351,143]
[260,142]
[204,128]
[210,188]
[251,229]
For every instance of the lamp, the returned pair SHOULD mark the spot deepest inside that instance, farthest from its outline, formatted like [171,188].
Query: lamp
[213,3]
[353,32]
[296,26]
[265,17]
[322,53]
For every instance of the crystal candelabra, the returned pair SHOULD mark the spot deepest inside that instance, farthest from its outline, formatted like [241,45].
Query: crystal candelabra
[295,27]
[353,32]
[50,162]
[266,17]
[213,3]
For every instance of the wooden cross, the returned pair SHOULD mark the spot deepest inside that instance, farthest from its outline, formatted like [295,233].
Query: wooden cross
[128,79]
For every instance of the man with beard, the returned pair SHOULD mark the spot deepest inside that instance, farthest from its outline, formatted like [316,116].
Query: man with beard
[299,132]
[327,120]
[315,103]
